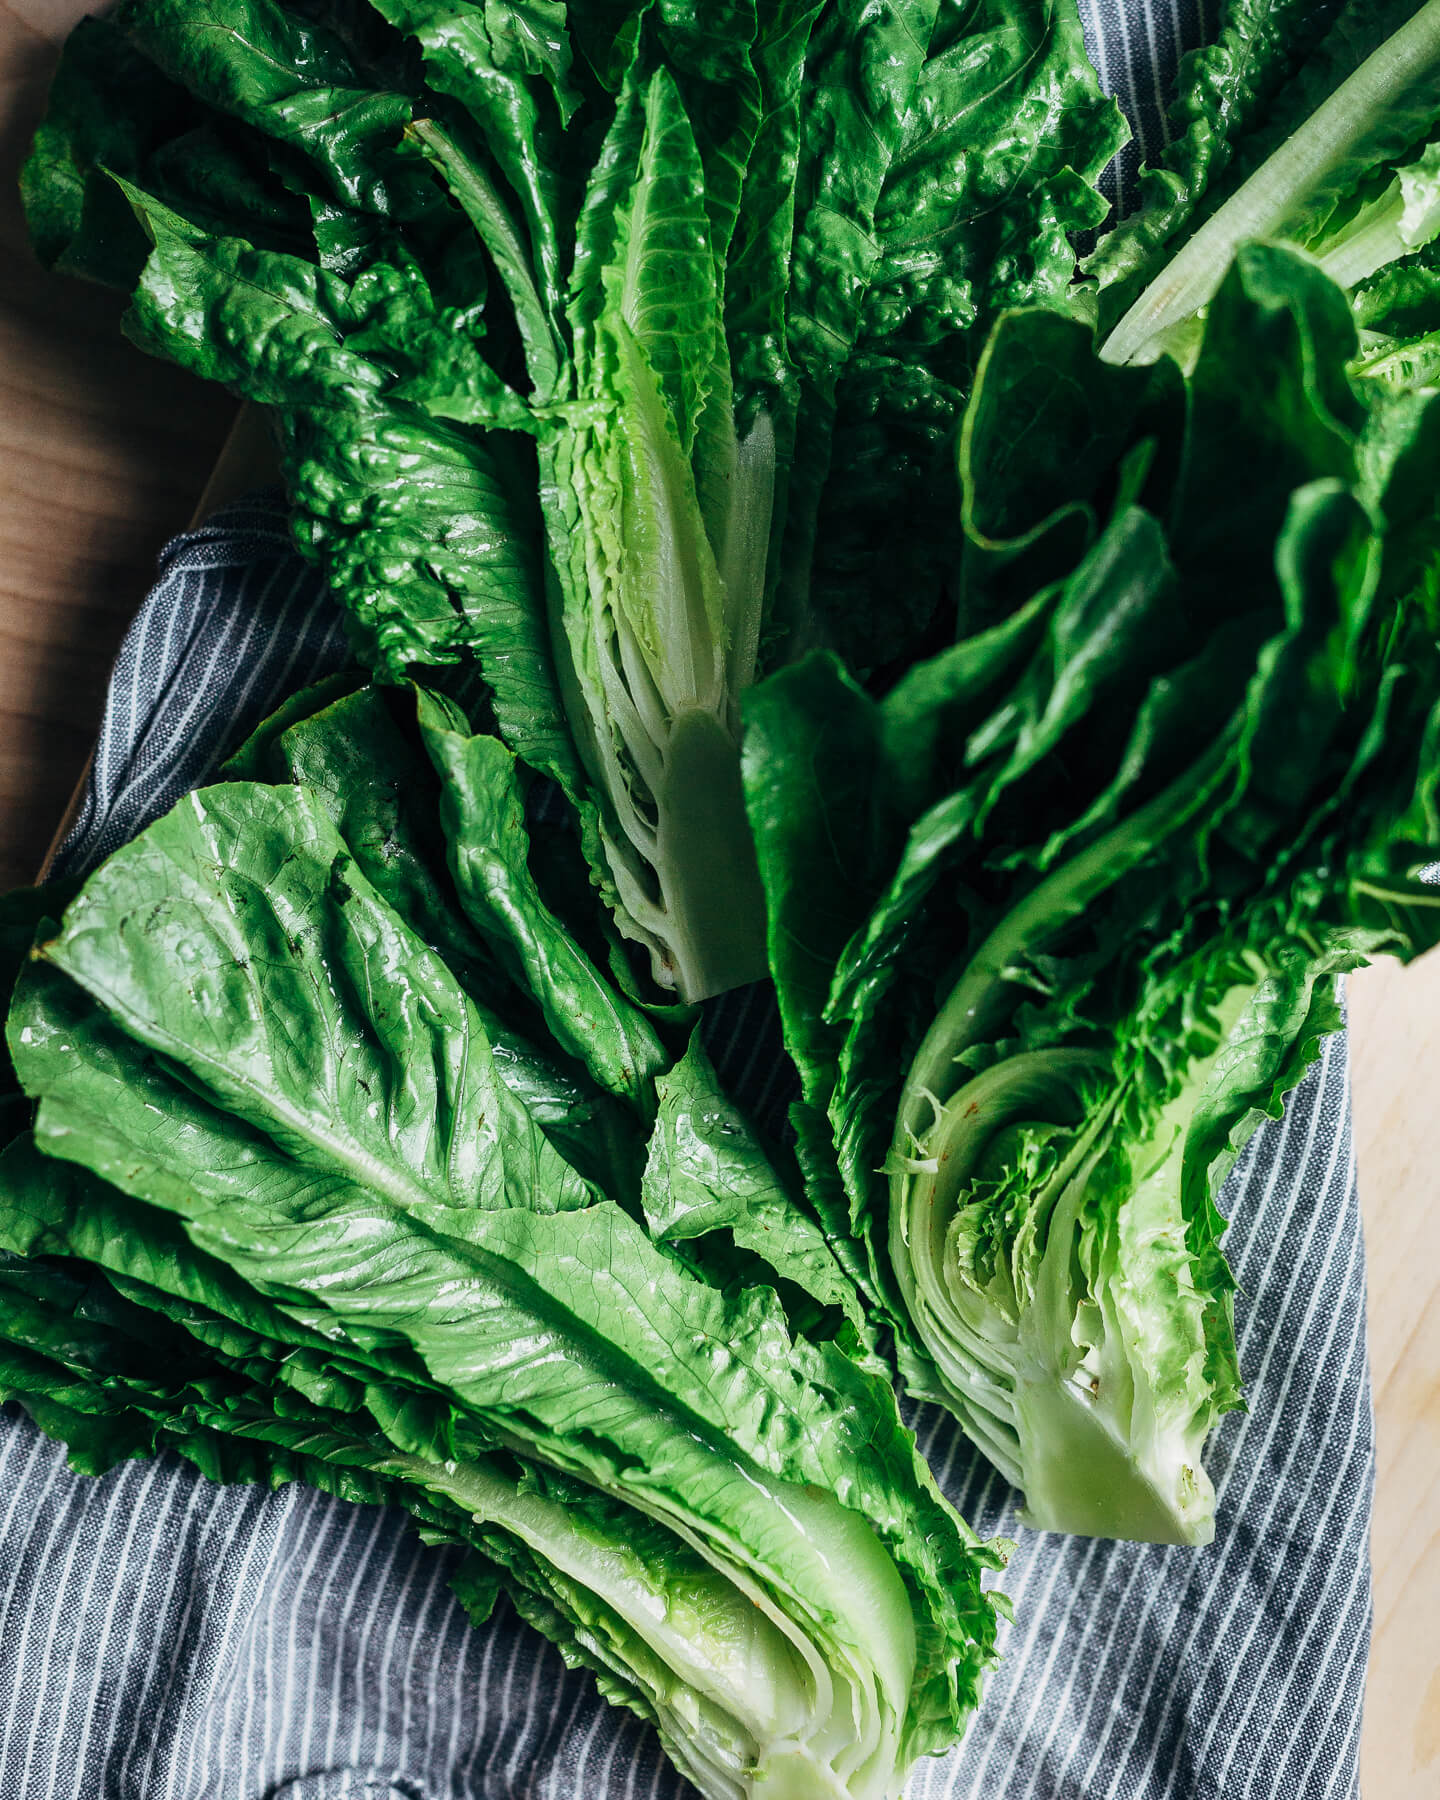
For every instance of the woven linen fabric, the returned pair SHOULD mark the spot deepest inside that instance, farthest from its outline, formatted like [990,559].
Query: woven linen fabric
[162,1638]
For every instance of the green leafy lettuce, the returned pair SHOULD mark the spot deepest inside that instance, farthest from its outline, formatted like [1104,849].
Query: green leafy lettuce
[1058,921]
[562,320]
[318,1189]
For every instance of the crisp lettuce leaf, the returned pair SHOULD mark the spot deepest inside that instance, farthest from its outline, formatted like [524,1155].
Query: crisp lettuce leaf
[334,1026]
[363,754]
[23,913]
[960,238]
[708,1172]
[482,811]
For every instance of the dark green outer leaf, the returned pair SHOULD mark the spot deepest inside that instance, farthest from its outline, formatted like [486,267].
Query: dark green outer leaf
[445,556]
[928,716]
[509,66]
[22,913]
[1352,32]
[484,820]
[860,79]
[1398,454]
[1270,395]
[1005,140]
[758,266]
[860,76]
[1046,426]
[1403,299]
[84,126]
[811,765]
[448,562]
[344,1037]
[1006,137]
[293,82]
[470,183]
[1113,627]
[266,324]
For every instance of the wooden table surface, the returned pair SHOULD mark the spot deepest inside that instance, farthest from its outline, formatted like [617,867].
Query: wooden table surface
[103,454]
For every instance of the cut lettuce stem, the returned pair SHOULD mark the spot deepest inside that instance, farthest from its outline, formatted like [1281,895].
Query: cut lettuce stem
[749,1694]
[1342,137]
[706,861]
[1055,1354]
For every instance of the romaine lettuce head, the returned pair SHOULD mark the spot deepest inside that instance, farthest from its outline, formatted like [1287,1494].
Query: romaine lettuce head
[1055,1236]
[333,1187]
[550,310]
[1059,920]
[741,1685]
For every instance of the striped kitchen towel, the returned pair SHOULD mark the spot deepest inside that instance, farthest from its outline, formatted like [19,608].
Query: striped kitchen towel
[162,1638]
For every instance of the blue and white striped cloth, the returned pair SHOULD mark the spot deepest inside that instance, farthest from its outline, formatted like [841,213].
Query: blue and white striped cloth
[165,1639]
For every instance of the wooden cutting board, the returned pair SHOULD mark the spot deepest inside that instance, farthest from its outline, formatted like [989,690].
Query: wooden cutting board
[104,453]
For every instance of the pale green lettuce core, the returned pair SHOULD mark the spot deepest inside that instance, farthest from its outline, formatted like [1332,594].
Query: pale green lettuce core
[800,1699]
[1067,1332]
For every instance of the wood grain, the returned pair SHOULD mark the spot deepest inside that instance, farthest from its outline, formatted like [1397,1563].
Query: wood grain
[103,453]
[1395,1076]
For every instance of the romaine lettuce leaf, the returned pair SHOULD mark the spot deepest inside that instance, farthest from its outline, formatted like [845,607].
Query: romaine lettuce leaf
[708,1172]
[360,751]
[961,236]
